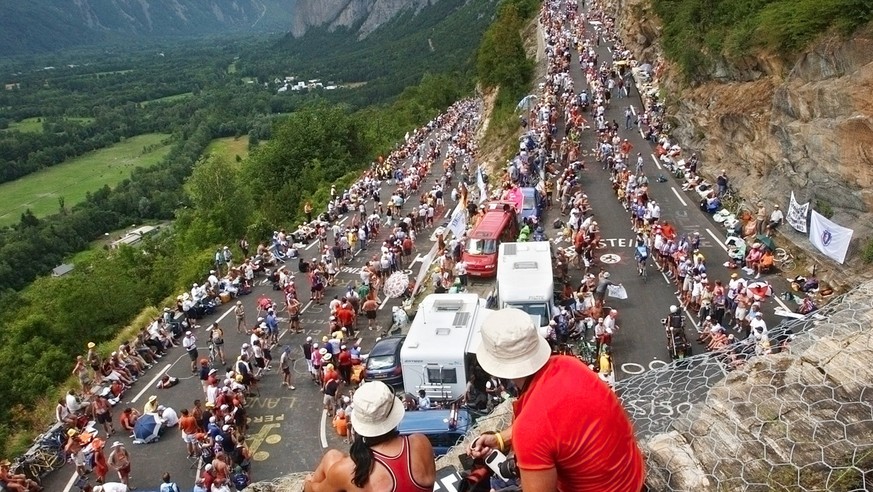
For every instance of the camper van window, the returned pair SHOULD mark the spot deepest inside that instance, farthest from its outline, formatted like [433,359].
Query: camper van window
[441,376]
[535,309]
[482,246]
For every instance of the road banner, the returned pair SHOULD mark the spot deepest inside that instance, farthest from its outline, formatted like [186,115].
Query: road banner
[480,182]
[458,222]
[797,214]
[830,238]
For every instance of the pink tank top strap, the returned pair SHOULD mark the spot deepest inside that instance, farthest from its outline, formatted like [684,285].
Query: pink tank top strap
[400,468]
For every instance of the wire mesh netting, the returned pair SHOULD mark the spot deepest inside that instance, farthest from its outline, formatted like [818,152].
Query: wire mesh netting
[800,419]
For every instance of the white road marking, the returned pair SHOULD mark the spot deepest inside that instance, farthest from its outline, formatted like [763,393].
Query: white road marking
[311,245]
[343,219]
[71,481]
[634,111]
[224,315]
[417,258]
[154,380]
[322,432]
[678,196]
[383,303]
[306,306]
[779,301]
[717,240]
[657,162]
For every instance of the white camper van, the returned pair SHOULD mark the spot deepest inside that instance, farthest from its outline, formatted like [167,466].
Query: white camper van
[524,279]
[438,354]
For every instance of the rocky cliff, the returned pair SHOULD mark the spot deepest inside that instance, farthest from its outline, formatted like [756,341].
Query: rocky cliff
[792,421]
[777,125]
[365,15]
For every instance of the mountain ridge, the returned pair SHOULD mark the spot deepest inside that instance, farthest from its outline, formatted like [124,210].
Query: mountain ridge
[363,15]
[39,26]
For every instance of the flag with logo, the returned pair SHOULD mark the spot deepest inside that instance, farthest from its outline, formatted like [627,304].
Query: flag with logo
[480,182]
[797,214]
[458,222]
[830,238]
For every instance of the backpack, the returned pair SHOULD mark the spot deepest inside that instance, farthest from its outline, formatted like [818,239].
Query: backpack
[169,487]
[240,480]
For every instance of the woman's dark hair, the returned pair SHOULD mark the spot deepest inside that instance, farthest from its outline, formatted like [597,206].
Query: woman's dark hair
[362,455]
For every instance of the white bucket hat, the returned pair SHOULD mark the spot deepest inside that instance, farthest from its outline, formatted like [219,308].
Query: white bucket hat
[377,410]
[511,345]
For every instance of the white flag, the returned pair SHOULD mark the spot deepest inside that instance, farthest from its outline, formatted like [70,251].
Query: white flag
[458,222]
[830,238]
[797,214]
[617,291]
[480,182]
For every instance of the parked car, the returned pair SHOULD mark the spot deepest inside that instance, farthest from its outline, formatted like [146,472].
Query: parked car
[383,362]
[441,429]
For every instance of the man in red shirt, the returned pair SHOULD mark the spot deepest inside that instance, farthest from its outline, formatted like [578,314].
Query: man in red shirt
[590,449]
[346,318]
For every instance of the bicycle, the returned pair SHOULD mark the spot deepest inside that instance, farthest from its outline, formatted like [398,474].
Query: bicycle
[642,257]
[784,260]
[40,462]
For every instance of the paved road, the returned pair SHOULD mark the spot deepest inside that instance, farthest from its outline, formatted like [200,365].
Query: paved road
[288,432]
[641,343]
[287,429]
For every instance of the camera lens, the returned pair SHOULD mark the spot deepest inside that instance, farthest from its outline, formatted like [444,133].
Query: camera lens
[509,468]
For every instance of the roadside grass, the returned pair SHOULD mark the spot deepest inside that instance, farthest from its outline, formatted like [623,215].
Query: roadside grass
[73,179]
[36,420]
[229,147]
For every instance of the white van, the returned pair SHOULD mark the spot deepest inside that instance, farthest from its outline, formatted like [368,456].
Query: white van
[438,354]
[524,279]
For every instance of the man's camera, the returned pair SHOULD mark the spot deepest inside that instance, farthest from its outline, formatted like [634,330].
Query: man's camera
[503,467]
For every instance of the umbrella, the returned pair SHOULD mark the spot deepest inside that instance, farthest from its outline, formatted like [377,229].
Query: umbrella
[147,429]
[767,241]
[646,67]
[526,103]
[396,285]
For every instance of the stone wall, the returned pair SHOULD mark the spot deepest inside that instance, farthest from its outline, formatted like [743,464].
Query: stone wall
[801,420]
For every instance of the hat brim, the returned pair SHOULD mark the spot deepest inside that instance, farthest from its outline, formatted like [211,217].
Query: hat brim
[375,429]
[515,368]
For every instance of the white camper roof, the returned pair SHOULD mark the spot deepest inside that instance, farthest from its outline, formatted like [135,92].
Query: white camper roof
[524,272]
[444,326]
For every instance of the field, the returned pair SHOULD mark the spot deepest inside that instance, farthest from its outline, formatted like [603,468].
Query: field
[174,97]
[229,147]
[73,179]
[34,125]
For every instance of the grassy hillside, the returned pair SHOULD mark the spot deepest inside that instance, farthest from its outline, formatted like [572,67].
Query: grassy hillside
[229,147]
[73,179]
[697,31]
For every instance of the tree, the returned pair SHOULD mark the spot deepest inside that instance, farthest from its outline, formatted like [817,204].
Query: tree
[222,202]
[314,146]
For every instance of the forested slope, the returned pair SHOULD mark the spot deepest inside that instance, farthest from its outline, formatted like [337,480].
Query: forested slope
[319,143]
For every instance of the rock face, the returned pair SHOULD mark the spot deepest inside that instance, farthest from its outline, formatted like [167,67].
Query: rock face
[793,421]
[804,125]
[369,14]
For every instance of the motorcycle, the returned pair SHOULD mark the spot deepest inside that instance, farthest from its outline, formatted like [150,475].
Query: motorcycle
[677,343]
